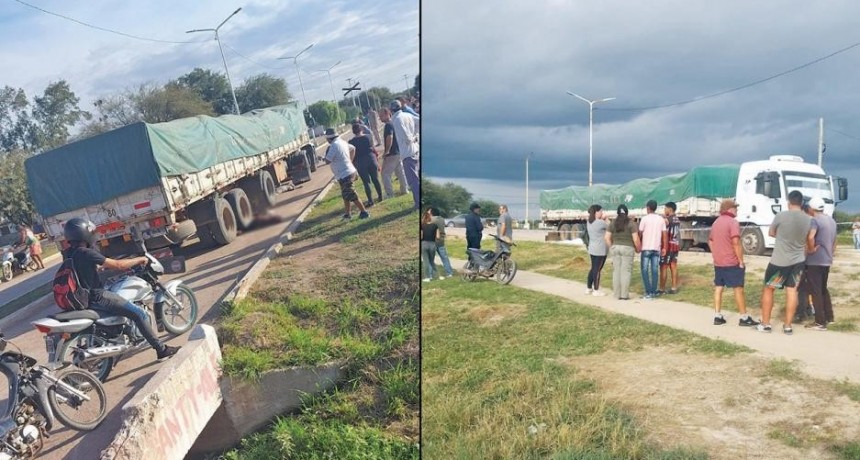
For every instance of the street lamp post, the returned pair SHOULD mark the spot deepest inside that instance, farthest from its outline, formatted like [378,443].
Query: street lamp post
[328,71]
[296,62]
[227,71]
[590,127]
[527,224]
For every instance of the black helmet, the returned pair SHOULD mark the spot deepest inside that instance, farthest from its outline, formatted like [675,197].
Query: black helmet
[474,206]
[78,229]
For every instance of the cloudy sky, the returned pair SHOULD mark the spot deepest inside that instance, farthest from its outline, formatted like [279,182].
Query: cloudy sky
[495,81]
[376,40]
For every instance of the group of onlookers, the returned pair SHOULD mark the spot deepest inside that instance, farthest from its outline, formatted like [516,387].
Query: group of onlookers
[360,158]
[802,256]
[656,237]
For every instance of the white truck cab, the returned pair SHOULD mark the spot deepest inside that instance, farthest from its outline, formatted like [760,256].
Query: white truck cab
[763,188]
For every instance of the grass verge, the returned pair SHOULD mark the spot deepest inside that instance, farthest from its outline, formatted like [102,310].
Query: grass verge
[344,291]
[24,300]
[497,380]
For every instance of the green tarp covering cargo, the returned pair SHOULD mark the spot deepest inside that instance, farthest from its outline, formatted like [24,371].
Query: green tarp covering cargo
[137,156]
[700,182]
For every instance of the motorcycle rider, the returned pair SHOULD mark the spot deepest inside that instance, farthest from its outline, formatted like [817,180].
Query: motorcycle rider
[79,234]
[474,227]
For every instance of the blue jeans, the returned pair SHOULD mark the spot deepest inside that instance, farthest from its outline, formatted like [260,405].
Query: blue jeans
[650,266]
[113,304]
[428,256]
[857,241]
[446,262]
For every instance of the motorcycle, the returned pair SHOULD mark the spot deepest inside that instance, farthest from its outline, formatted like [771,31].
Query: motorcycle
[16,263]
[96,341]
[490,264]
[37,395]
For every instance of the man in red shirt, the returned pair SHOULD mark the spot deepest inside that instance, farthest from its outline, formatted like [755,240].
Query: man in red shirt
[729,269]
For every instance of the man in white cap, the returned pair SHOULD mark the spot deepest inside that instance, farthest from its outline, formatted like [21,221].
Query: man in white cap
[820,248]
[340,155]
[407,131]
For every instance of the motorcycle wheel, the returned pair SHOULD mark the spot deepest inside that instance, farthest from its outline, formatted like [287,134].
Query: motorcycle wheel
[99,367]
[7,272]
[505,271]
[467,273]
[70,408]
[32,266]
[179,317]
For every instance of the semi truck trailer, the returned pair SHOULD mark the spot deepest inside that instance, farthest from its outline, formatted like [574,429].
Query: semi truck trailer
[163,183]
[760,188]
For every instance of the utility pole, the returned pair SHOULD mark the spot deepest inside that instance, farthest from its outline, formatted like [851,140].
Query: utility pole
[349,80]
[821,146]
[527,224]
[406,81]
[590,128]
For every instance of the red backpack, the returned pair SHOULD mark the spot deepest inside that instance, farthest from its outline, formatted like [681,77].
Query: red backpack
[68,292]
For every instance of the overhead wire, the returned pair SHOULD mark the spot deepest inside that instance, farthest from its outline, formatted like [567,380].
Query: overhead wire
[104,29]
[732,90]
[844,134]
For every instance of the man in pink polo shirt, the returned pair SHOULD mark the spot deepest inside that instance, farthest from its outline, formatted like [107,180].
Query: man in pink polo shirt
[729,269]
[654,243]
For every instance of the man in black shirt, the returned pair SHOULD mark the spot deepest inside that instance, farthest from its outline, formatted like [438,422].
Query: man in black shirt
[474,227]
[79,234]
[366,162]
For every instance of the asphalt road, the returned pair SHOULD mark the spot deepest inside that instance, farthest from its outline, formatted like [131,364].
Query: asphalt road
[209,272]
[27,281]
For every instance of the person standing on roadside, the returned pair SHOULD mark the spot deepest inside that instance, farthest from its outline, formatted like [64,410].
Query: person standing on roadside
[429,236]
[29,239]
[654,239]
[440,242]
[366,163]
[669,262]
[596,228]
[474,227]
[791,229]
[820,248]
[407,130]
[391,157]
[729,268]
[856,230]
[505,229]
[340,155]
[622,238]
[373,124]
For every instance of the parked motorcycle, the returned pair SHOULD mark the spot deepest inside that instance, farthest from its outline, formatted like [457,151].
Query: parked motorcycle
[96,341]
[16,263]
[37,395]
[490,264]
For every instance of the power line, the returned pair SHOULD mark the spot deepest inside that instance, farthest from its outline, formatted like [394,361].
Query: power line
[738,88]
[104,29]
[846,135]
[251,60]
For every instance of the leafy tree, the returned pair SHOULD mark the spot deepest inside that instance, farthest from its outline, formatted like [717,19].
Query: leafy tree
[489,208]
[262,91]
[16,204]
[449,198]
[53,113]
[16,125]
[326,113]
[159,104]
[212,87]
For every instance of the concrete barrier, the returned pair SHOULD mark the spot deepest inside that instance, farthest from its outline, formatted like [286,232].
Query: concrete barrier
[165,417]
[250,406]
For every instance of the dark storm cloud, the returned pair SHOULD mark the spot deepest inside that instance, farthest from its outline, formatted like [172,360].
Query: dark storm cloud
[496,76]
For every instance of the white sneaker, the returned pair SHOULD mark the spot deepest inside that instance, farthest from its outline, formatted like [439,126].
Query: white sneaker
[598,294]
[588,291]
[441,277]
[426,280]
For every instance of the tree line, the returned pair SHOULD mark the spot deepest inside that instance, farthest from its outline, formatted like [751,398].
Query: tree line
[452,199]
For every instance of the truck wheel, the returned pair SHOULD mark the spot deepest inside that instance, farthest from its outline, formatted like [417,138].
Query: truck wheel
[312,157]
[752,241]
[225,227]
[564,231]
[260,190]
[241,205]
[578,230]
[686,245]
